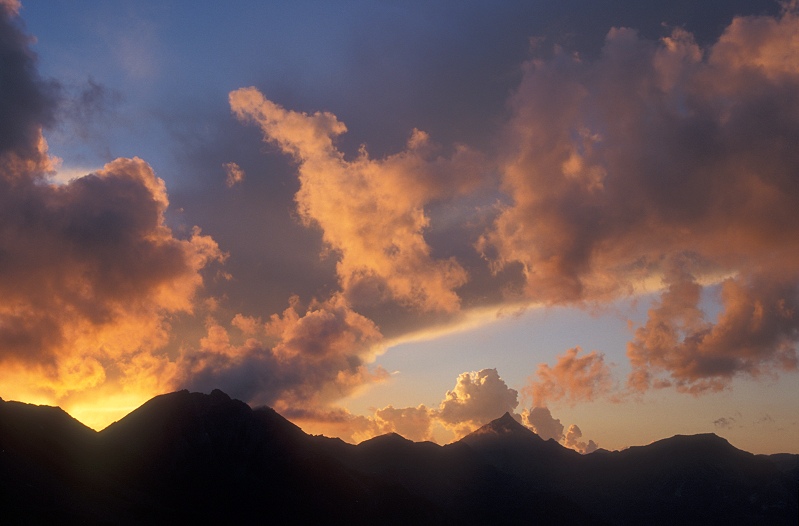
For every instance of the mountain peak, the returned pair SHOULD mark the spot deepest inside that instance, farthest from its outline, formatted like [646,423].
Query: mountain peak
[387,438]
[504,425]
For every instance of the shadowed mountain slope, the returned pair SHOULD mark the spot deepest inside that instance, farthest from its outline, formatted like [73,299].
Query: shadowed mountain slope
[46,456]
[208,458]
[699,479]
[513,448]
[183,457]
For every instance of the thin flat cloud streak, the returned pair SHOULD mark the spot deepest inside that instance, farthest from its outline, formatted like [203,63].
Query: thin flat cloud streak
[636,167]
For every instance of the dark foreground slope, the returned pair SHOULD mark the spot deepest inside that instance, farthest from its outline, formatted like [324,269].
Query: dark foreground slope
[699,479]
[183,457]
[210,459]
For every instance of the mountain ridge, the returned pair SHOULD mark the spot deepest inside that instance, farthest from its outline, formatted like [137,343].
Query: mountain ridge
[207,457]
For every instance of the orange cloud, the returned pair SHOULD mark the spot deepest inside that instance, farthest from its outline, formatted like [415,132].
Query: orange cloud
[478,398]
[755,333]
[762,45]
[574,378]
[234,174]
[297,361]
[657,152]
[334,421]
[90,274]
[371,211]
[413,423]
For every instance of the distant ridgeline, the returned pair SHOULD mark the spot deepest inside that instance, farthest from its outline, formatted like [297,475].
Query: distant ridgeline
[191,457]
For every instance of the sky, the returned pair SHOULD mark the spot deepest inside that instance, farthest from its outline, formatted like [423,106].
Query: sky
[407,217]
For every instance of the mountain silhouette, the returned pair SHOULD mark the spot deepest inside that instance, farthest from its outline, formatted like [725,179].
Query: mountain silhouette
[502,426]
[207,458]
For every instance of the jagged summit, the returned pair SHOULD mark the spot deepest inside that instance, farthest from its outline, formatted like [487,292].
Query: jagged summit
[504,425]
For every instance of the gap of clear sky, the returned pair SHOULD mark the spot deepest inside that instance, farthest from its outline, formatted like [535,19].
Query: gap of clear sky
[408,216]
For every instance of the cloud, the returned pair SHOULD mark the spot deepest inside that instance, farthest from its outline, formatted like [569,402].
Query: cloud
[765,44]
[572,440]
[655,153]
[10,7]
[413,423]
[755,333]
[27,103]
[615,169]
[574,378]
[335,422]
[296,361]
[478,398]
[649,160]
[234,174]
[90,274]
[725,422]
[86,114]
[371,211]
[541,421]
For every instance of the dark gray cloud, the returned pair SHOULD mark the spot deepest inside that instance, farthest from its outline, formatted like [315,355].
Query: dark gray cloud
[299,359]
[28,101]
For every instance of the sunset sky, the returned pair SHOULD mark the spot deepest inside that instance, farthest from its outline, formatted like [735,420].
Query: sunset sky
[407,216]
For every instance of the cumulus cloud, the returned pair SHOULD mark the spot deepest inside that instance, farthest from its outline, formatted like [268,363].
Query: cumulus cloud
[414,423]
[663,152]
[573,378]
[541,421]
[89,271]
[478,398]
[572,440]
[295,361]
[371,211]
[755,333]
